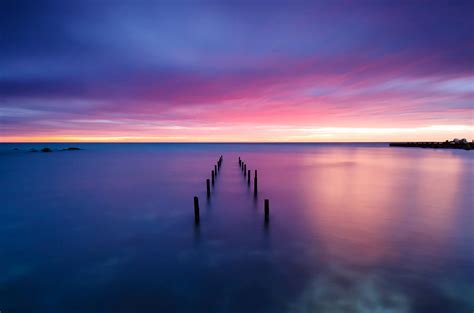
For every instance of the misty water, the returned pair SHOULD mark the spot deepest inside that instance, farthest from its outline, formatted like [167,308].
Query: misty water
[352,228]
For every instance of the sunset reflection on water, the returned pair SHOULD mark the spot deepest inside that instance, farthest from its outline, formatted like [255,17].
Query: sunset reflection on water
[366,206]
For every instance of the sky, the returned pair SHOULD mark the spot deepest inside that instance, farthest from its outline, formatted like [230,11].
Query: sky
[236,71]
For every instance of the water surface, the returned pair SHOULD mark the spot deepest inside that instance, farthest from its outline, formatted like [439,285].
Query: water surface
[353,228]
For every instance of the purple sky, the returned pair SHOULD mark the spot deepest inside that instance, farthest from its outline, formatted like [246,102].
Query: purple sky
[236,70]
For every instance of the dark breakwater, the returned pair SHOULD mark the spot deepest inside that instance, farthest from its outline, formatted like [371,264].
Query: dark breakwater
[434,145]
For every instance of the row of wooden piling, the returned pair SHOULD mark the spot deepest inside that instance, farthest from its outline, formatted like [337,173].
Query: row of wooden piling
[246,173]
[217,167]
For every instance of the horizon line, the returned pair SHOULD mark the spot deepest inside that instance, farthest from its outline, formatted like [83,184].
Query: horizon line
[211,142]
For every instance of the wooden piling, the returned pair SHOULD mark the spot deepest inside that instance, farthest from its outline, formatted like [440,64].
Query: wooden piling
[240,162]
[245,170]
[255,188]
[208,186]
[248,177]
[212,174]
[215,169]
[196,209]
[267,209]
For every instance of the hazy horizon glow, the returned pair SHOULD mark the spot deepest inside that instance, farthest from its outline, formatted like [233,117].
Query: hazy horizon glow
[235,72]
[269,134]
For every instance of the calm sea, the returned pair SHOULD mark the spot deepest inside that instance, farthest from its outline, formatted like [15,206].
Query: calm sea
[352,228]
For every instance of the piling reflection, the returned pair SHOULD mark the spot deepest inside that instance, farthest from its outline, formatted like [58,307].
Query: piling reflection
[197,233]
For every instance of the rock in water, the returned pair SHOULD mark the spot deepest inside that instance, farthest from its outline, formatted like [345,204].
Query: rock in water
[46,150]
[70,149]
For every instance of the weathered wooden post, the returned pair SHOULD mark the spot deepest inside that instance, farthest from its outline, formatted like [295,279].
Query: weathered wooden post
[196,209]
[243,165]
[248,177]
[208,185]
[212,174]
[215,169]
[255,188]
[240,162]
[267,209]
[245,170]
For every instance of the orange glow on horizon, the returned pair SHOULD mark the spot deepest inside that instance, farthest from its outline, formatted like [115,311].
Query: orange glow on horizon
[259,134]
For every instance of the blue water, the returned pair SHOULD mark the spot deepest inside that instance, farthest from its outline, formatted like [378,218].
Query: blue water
[352,228]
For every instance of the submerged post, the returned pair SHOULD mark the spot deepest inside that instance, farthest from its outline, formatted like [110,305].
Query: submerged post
[196,209]
[243,165]
[267,209]
[212,174]
[240,161]
[215,169]
[208,186]
[245,170]
[255,183]
[248,177]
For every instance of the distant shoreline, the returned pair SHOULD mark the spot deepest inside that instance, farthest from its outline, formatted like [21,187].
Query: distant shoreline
[434,145]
